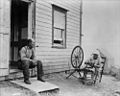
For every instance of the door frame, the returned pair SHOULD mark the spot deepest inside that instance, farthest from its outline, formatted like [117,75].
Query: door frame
[31,21]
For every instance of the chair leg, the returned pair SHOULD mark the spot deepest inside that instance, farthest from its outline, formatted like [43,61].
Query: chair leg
[100,76]
[96,75]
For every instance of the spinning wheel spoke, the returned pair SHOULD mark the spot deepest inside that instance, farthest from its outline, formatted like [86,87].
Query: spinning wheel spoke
[77,57]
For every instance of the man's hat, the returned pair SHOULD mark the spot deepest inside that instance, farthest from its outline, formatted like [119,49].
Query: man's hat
[31,40]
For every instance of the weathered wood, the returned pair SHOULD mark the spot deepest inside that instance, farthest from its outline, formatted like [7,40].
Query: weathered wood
[4,36]
[54,59]
[4,54]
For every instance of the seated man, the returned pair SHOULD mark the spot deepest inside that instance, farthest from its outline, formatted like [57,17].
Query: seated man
[92,64]
[28,61]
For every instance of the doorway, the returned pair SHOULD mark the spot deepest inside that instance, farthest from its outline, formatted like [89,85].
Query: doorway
[19,28]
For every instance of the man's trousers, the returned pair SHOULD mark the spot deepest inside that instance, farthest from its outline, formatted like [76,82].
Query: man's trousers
[26,64]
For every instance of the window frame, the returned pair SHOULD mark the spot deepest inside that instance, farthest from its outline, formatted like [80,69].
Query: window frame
[64,11]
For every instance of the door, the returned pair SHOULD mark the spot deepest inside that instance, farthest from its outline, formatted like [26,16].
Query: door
[21,27]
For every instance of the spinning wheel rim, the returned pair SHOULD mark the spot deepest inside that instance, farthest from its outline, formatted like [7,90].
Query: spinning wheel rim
[76,58]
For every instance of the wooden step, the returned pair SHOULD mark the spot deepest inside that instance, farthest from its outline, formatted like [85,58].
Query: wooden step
[42,88]
[16,74]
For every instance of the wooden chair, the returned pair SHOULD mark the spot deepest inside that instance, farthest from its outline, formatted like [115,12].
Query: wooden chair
[94,73]
[103,62]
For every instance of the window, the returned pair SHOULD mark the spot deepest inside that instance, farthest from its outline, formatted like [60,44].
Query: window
[59,27]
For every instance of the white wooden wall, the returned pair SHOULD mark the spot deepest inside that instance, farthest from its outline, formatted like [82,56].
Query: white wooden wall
[4,36]
[54,59]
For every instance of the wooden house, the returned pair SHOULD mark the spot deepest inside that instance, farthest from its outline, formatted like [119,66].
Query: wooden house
[54,24]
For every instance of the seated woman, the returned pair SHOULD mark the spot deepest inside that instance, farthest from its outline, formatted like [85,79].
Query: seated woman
[92,65]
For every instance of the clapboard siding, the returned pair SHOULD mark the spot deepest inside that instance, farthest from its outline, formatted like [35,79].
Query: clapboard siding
[48,11]
[66,4]
[56,59]
[40,22]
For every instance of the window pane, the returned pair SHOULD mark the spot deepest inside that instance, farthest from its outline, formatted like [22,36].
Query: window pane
[59,19]
[58,34]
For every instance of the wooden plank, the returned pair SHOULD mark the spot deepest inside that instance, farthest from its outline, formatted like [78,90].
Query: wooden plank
[73,9]
[72,35]
[56,56]
[1,12]
[70,38]
[49,67]
[46,30]
[4,71]
[4,37]
[44,34]
[4,54]
[73,16]
[49,58]
[6,13]
[52,56]
[55,51]
[37,86]
[56,70]
[55,59]
[43,16]
[73,20]
[73,5]
[42,23]
[43,4]
[1,41]
[43,7]
[65,5]
[44,42]
[4,30]
[39,25]
[44,19]
[72,26]
[76,3]
[44,37]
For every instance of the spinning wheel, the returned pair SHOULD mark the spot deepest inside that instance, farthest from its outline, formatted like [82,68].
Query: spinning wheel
[77,57]
[94,72]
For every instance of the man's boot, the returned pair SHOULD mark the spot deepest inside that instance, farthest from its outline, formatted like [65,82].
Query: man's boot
[39,71]
[40,79]
[27,81]
[26,72]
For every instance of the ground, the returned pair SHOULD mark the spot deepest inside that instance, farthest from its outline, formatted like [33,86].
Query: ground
[73,87]
[68,87]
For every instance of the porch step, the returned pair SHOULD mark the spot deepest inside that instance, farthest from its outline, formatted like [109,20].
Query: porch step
[42,88]
[16,74]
